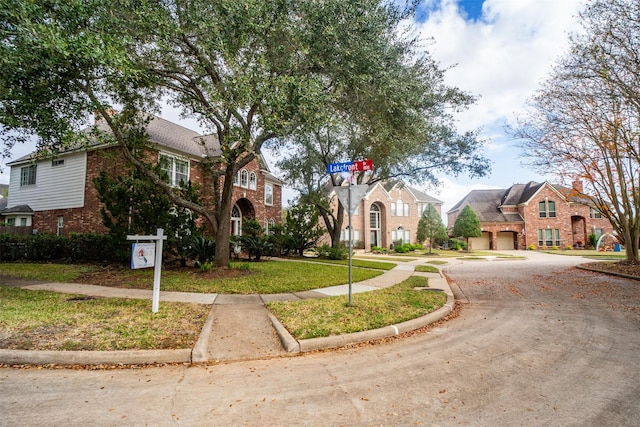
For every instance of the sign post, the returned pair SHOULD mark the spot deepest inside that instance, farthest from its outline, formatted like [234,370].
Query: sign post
[145,255]
[347,200]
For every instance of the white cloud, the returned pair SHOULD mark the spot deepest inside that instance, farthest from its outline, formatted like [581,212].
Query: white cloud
[503,56]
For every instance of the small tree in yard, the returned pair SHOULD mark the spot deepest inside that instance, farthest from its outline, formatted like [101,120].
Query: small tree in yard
[431,227]
[467,225]
[302,228]
[254,240]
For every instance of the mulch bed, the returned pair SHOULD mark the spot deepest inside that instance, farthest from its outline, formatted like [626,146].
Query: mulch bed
[624,268]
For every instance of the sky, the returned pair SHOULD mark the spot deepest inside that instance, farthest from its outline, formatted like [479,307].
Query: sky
[501,50]
[497,50]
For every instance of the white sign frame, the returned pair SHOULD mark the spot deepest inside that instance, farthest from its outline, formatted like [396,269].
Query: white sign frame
[157,240]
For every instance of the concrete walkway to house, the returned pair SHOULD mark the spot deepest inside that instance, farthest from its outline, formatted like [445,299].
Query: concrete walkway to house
[239,327]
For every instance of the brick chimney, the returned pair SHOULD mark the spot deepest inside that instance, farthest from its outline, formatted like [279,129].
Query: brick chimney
[577,185]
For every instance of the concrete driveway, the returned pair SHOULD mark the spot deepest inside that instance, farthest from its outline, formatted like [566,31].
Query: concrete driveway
[538,343]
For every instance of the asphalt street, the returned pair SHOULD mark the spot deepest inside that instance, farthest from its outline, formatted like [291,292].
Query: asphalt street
[538,343]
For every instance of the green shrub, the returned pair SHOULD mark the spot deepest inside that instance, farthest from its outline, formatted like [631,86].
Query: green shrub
[531,247]
[201,249]
[74,247]
[457,244]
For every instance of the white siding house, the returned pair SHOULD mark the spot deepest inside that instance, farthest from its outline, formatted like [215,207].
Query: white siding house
[49,184]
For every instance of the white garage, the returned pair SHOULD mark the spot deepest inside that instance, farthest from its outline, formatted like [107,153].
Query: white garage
[481,243]
[506,240]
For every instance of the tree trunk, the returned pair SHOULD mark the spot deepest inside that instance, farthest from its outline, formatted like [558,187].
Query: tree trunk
[223,234]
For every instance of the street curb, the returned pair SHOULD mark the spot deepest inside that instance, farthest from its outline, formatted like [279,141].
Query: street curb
[610,273]
[376,334]
[118,357]
[291,345]
[199,353]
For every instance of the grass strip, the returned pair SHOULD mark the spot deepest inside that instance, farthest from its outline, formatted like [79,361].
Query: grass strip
[369,310]
[426,269]
[356,262]
[45,271]
[42,320]
[252,277]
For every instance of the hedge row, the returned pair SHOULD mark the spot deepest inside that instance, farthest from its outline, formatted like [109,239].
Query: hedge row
[72,248]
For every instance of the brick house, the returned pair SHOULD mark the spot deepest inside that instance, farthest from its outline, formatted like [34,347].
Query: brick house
[543,215]
[389,212]
[56,194]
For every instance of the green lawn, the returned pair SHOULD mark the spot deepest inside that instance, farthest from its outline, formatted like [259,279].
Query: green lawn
[51,321]
[253,277]
[369,310]
[41,320]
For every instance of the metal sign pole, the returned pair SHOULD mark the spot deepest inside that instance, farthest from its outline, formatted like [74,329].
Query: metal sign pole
[350,244]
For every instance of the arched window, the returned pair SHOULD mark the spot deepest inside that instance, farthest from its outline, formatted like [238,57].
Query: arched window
[253,181]
[244,178]
[374,225]
[236,221]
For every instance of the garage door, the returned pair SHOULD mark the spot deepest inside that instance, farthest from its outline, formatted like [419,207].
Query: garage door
[481,243]
[505,240]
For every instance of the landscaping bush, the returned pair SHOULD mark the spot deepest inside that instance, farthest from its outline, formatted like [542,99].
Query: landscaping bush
[401,249]
[74,248]
[457,244]
[326,251]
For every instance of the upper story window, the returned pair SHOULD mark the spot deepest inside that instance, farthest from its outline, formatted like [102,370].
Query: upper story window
[547,209]
[176,168]
[28,175]
[594,213]
[399,208]
[253,181]
[57,162]
[244,178]
[268,194]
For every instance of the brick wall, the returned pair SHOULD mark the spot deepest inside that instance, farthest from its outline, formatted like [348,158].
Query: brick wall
[388,223]
[88,218]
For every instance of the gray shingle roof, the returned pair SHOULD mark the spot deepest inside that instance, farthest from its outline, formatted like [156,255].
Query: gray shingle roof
[166,134]
[25,209]
[424,197]
[486,203]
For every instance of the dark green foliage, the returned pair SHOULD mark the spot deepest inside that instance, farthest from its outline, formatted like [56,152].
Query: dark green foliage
[254,240]
[278,237]
[457,244]
[302,227]
[72,248]
[467,225]
[334,253]
[200,248]
[403,248]
[135,205]
[431,227]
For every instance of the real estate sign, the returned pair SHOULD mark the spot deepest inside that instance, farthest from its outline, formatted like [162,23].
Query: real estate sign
[143,255]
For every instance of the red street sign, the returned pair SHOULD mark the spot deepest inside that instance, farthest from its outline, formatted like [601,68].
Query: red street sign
[359,166]
[363,165]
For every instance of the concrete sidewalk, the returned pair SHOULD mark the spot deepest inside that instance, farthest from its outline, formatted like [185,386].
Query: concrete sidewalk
[239,327]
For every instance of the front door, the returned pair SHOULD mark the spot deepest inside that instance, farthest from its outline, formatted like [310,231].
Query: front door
[374,225]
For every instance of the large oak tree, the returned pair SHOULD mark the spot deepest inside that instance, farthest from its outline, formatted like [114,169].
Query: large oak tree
[250,71]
